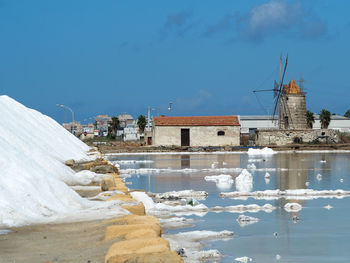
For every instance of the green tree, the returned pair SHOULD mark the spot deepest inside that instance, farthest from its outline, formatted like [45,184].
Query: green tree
[325,118]
[141,122]
[113,127]
[310,119]
[347,114]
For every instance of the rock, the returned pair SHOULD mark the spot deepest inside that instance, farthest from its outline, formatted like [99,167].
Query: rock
[107,183]
[135,209]
[70,162]
[116,231]
[138,250]
[103,169]
[163,257]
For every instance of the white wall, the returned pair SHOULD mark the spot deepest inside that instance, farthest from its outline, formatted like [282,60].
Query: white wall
[199,135]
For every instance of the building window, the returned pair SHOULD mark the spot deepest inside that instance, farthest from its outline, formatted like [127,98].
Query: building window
[221,133]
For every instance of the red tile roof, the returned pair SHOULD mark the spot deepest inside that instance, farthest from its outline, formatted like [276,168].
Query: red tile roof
[197,121]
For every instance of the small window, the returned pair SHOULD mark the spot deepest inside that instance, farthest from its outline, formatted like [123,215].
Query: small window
[221,133]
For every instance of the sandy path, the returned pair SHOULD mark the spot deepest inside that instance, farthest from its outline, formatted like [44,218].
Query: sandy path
[73,242]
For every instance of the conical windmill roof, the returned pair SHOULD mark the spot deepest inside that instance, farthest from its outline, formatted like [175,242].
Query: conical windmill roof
[292,88]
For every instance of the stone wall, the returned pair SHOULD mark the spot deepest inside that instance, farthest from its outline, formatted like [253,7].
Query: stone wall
[284,137]
[199,135]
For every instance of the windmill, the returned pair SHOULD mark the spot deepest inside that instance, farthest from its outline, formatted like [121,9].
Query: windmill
[289,102]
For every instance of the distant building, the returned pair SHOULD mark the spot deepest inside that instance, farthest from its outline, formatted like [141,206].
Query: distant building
[131,133]
[73,127]
[251,123]
[338,123]
[196,131]
[102,123]
[125,119]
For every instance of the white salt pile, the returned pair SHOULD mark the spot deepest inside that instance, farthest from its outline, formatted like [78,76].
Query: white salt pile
[33,148]
[264,151]
[244,181]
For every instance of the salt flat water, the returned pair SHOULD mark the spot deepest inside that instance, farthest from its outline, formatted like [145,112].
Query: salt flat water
[320,234]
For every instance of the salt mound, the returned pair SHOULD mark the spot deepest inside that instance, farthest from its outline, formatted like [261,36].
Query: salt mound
[244,182]
[33,148]
[264,151]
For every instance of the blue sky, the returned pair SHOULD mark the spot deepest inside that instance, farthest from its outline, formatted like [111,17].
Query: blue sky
[110,57]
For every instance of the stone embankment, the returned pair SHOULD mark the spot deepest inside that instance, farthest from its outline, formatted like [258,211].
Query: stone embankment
[137,236]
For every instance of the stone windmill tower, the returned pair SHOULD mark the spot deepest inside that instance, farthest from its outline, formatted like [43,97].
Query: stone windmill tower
[290,104]
[292,108]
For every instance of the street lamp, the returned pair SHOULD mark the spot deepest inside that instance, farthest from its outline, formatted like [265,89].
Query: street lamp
[73,121]
[66,107]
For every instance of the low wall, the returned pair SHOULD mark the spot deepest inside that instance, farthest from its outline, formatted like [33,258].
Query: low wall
[284,137]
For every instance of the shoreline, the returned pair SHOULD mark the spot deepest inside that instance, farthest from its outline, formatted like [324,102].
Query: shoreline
[117,148]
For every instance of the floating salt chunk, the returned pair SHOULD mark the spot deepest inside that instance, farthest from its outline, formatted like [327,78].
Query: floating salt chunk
[275,234]
[244,259]
[292,207]
[307,184]
[341,180]
[244,220]
[264,151]
[219,178]
[329,207]
[267,180]
[251,166]
[214,165]
[319,177]
[267,175]
[323,161]
[278,257]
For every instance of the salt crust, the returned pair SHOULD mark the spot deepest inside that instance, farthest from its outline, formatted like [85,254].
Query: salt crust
[252,208]
[202,195]
[298,194]
[190,243]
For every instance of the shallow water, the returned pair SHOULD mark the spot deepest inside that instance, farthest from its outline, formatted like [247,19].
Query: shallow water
[321,235]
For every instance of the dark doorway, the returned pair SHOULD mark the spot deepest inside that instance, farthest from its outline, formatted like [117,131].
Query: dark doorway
[185,137]
[149,140]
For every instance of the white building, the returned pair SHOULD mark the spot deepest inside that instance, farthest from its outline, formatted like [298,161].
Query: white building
[131,133]
[251,123]
[196,131]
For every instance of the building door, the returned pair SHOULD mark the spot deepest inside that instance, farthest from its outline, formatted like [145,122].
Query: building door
[185,137]
[149,140]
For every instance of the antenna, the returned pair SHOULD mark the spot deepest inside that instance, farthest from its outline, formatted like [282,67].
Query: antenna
[301,83]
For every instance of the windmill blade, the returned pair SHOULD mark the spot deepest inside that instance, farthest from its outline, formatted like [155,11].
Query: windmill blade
[275,89]
[284,72]
[275,107]
[279,91]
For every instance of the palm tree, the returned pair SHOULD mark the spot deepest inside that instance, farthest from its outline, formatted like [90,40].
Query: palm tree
[141,122]
[310,119]
[347,114]
[113,127]
[325,118]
